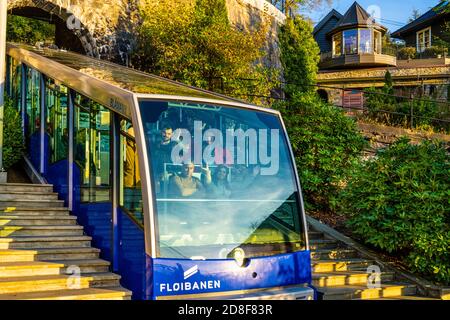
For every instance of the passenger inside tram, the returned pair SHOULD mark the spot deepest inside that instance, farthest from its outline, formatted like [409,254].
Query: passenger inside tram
[219,187]
[163,151]
[132,180]
[186,185]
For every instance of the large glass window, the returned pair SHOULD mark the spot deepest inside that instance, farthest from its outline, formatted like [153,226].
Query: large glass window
[377,41]
[337,44]
[365,41]
[351,41]
[92,149]
[223,179]
[33,111]
[56,118]
[130,178]
[423,39]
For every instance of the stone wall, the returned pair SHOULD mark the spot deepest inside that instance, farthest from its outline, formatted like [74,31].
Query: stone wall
[105,28]
[248,14]
[364,78]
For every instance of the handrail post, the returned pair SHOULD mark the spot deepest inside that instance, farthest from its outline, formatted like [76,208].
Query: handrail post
[411,107]
[3,16]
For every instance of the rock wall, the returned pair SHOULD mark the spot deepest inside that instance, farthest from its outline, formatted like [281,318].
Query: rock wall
[105,28]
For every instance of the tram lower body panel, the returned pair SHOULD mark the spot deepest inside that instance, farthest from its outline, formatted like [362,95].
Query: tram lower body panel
[202,279]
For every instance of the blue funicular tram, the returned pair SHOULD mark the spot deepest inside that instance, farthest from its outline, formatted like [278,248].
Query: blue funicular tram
[188,193]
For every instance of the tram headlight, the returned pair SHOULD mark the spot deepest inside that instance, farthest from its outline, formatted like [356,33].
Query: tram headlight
[239,257]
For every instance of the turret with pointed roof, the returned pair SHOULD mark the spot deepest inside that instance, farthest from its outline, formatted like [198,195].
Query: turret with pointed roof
[352,40]
[356,17]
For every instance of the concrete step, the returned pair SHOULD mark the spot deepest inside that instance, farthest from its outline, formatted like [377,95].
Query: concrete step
[331,254]
[49,254]
[340,278]
[340,265]
[85,265]
[25,187]
[113,293]
[33,268]
[349,292]
[319,244]
[15,231]
[44,242]
[19,196]
[57,282]
[34,211]
[417,297]
[37,221]
[25,203]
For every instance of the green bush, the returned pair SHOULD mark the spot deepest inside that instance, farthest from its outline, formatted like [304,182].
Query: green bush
[326,145]
[434,52]
[28,30]
[13,145]
[407,53]
[300,55]
[400,202]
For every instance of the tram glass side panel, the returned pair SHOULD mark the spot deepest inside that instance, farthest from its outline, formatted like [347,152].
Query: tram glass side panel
[227,204]
[33,116]
[56,157]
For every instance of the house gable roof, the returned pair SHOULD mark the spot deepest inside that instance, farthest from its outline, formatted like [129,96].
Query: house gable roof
[427,17]
[323,22]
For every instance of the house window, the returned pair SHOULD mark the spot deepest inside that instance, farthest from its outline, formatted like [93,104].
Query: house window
[351,41]
[337,44]
[423,39]
[365,41]
[377,42]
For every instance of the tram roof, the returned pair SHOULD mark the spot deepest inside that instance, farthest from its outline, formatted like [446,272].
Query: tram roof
[106,78]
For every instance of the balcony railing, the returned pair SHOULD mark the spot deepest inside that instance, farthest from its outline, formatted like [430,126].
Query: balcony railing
[410,53]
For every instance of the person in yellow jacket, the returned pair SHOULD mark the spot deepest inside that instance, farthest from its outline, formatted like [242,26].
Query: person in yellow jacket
[132,178]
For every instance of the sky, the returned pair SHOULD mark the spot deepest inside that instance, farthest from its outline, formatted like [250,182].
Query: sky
[394,13]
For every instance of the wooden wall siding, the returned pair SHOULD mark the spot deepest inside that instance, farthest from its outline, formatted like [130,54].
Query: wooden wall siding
[359,60]
[437,28]
[325,44]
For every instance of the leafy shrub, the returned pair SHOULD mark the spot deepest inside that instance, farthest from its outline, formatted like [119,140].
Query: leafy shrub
[400,202]
[384,107]
[407,53]
[194,42]
[13,144]
[326,145]
[28,30]
[300,55]
[434,52]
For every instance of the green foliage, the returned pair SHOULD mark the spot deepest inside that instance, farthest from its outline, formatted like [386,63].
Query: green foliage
[326,145]
[294,5]
[385,108]
[400,202]
[30,31]
[300,55]
[407,53]
[193,42]
[388,87]
[435,51]
[13,144]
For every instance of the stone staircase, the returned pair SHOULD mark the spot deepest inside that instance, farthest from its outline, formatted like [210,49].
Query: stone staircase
[43,250]
[341,273]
